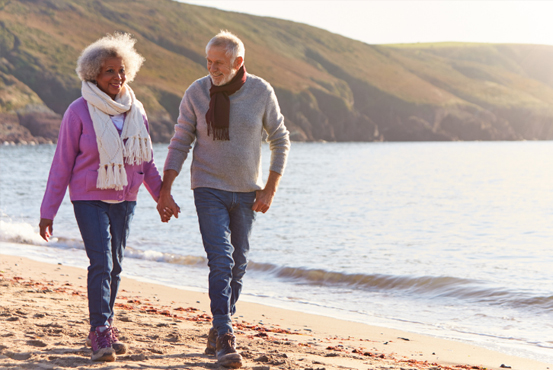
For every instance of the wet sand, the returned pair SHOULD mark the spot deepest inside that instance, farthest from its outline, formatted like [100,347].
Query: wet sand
[44,324]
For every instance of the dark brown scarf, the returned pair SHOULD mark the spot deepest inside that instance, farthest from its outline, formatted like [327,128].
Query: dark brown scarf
[218,114]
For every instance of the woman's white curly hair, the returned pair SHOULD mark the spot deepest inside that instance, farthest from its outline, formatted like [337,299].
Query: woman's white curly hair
[121,45]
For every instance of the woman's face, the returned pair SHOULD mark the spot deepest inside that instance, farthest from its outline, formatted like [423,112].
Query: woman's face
[112,76]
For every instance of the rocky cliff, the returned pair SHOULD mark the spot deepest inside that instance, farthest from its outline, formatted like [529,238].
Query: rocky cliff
[329,87]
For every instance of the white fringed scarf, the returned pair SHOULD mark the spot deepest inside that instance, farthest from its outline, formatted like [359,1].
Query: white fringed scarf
[113,152]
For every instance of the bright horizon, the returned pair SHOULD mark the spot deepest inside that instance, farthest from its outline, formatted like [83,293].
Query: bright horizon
[394,22]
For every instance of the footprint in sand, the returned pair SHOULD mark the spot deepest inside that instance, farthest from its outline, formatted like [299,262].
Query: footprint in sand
[19,356]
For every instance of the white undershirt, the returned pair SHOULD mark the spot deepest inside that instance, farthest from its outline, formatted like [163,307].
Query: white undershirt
[118,120]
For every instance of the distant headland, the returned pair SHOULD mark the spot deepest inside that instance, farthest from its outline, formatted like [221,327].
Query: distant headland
[329,87]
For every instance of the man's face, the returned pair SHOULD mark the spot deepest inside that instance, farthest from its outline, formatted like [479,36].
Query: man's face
[220,67]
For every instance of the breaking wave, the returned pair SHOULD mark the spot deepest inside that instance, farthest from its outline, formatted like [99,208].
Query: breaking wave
[427,287]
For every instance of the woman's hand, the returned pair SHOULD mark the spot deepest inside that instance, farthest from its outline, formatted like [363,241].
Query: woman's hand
[46,229]
[166,205]
[167,208]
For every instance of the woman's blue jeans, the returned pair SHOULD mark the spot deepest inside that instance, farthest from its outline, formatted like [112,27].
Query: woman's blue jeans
[104,228]
[226,220]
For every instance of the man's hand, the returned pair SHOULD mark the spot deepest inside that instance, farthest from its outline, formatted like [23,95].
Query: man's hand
[46,228]
[166,206]
[264,198]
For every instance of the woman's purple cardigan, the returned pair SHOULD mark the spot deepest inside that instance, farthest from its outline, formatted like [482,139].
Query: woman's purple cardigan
[76,162]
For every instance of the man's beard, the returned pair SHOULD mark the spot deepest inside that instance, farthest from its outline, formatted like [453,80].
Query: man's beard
[227,79]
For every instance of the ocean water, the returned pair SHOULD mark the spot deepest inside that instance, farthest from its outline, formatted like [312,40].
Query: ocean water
[449,239]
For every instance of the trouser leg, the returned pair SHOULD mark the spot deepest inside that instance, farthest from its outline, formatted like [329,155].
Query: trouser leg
[224,221]
[120,216]
[104,228]
[93,223]
[241,221]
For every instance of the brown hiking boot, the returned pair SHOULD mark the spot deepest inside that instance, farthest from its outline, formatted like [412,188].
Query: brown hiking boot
[211,347]
[226,351]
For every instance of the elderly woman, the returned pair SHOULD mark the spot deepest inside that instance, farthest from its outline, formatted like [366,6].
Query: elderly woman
[104,154]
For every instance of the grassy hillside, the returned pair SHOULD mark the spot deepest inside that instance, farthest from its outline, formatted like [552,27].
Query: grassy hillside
[329,87]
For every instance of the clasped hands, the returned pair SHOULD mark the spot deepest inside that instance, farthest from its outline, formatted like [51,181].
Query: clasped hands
[167,208]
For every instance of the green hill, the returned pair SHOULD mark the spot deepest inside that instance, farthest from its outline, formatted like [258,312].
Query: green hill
[329,87]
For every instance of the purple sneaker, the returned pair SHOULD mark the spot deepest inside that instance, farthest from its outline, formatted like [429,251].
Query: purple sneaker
[118,346]
[100,341]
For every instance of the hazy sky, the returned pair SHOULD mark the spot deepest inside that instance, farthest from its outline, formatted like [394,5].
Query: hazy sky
[381,22]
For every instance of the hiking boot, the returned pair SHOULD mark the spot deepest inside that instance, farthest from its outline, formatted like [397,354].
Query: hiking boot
[226,351]
[211,348]
[100,341]
[119,347]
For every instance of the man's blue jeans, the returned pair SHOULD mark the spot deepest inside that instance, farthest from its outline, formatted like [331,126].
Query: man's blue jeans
[226,220]
[104,228]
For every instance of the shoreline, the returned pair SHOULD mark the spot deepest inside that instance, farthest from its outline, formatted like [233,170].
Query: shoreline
[176,322]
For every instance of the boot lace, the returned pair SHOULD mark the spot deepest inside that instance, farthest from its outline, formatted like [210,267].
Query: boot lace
[114,333]
[103,339]
[228,343]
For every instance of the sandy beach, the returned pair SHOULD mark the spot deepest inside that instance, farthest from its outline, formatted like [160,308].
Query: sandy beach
[44,323]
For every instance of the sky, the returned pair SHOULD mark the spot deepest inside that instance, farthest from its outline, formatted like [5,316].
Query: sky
[394,21]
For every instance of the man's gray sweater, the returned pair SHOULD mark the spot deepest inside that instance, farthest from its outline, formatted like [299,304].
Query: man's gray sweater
[233,165]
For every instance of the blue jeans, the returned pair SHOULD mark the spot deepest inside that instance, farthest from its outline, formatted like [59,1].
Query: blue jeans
[104,228]
[226,220]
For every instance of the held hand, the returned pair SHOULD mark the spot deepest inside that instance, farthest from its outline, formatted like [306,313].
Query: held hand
[263,200]
[46,228]
[166,207]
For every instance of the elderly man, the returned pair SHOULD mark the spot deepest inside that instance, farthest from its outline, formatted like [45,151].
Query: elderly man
[226,113]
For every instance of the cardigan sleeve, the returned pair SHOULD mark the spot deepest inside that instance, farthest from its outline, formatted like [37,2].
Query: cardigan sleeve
[62,164]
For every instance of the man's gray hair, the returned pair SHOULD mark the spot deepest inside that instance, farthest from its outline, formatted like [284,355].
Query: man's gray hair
[233,45]
[120,45]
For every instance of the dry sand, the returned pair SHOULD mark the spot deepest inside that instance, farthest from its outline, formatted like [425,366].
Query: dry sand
[44,323]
